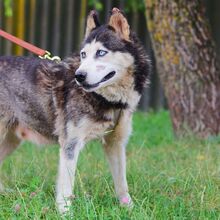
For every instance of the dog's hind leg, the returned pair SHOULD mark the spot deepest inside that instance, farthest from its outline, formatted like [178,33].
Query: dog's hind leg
[69,153]
[115,150]
[8,143]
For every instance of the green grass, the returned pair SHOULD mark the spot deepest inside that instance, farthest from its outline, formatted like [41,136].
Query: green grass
[168,178]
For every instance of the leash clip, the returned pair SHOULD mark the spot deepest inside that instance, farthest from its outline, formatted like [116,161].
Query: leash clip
[48,56]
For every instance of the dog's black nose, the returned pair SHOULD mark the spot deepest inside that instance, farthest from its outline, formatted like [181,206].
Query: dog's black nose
[80,76]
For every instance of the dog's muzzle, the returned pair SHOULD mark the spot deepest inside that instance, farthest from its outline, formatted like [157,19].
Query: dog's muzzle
[80,77]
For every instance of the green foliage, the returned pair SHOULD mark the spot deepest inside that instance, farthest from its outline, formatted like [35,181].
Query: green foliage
[8,8]
[168,178]
[96,4]
[134,5]
[130,5]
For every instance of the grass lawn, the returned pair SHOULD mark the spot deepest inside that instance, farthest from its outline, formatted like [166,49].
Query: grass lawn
[168,178]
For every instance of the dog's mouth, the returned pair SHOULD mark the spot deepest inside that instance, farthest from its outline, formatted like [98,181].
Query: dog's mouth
[88,87]
[108,76]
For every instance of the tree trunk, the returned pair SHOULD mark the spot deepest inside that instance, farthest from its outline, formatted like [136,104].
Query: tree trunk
[187,64]
[19,10]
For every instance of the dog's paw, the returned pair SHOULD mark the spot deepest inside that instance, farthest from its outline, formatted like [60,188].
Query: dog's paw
[63,206]
[126,201]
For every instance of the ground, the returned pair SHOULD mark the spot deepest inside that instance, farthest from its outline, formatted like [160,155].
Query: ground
[168,178]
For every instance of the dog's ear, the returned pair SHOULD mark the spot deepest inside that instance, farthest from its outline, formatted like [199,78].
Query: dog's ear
[92,22]
[120,24]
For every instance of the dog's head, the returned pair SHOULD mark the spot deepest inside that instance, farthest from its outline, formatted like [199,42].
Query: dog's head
[108,52]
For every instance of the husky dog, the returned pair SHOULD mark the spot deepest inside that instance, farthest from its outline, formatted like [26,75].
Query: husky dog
[86,96]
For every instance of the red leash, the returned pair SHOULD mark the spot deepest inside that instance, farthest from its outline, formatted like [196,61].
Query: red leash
[36,50]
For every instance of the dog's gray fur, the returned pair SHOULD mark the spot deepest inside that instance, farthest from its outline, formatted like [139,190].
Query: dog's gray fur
[41,101]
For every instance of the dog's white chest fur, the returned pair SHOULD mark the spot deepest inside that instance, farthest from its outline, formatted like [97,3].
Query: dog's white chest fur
[88,129]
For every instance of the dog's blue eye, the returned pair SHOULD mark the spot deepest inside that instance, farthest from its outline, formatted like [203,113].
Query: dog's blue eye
[83,55]
[101,53]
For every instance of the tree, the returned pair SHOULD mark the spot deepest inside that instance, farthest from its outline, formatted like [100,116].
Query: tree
[187,64]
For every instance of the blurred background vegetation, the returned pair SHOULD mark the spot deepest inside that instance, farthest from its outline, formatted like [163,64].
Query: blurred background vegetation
[58,26]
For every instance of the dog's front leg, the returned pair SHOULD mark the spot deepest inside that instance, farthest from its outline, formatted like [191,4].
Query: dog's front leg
[115,150]
[69,153]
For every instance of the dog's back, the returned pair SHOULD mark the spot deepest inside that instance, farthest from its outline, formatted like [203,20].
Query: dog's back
[20,98]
